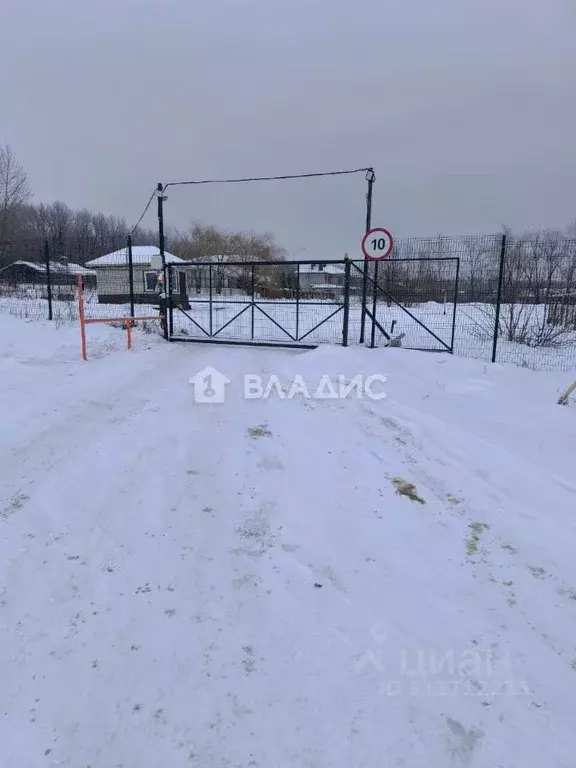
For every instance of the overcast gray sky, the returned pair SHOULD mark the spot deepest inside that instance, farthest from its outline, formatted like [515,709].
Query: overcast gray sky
[466,109]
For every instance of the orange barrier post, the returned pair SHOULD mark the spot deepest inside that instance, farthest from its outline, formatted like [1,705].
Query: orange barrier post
[80,285]
[127,322]
[90,320]
[129,334]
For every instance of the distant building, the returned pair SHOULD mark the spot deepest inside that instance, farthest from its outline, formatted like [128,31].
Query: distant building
[36,273]
[321,278]
[113,280]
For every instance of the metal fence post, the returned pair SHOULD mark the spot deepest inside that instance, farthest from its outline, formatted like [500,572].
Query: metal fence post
[210,298]
[346,302]
[374,306]
[80,287]
[161,199]
[169,303]
[370,177]
[297,300]
[48,278]
[499,297]
[252,280]
[130,274]
[456,283]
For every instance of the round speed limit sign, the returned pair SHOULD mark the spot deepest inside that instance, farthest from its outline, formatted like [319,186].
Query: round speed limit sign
[377,244]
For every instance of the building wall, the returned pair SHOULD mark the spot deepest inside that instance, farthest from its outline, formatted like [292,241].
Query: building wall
[113,284]
[115,280]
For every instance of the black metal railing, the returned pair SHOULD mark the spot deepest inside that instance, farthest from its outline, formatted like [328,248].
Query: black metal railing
[503,298]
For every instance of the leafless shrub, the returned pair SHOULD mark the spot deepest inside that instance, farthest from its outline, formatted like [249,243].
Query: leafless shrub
[538,296]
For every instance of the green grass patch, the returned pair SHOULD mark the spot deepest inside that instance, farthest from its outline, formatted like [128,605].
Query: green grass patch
[475,533]
[537,572]
[259,431]
[404,488]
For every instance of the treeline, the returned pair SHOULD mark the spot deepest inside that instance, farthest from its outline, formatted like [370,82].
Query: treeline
[534,263]
[79,235]
[74,236]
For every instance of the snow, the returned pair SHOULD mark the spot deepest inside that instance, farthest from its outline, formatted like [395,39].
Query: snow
[55,266]
[30,302]
[473,332]
[243,585]
[473,337]
[141,254]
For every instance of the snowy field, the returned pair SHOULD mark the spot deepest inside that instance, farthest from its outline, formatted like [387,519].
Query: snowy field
[282,583]
[425,326]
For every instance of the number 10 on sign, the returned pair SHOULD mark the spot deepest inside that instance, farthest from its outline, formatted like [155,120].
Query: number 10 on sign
[377,244]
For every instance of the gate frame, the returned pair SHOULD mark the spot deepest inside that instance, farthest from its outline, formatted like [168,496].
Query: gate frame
[253,303]
[377,287]
[160,193]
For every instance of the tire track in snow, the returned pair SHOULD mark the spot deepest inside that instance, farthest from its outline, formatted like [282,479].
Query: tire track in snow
[87,424]
[66,581]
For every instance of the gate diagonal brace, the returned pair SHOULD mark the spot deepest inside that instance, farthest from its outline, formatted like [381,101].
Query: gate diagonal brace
[275,323]
[404,309]
[380,328]
[192,320]
[325,320]
[232,319]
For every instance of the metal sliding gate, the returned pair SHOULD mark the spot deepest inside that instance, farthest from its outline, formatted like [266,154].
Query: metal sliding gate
[287,304]
[402,302]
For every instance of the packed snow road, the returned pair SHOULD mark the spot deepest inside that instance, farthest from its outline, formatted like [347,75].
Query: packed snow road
[286,583]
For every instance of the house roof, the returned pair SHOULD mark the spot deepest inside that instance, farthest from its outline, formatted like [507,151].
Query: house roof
[141,254]
[56,267]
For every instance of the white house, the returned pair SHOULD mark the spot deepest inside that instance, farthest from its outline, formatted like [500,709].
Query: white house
[113,281]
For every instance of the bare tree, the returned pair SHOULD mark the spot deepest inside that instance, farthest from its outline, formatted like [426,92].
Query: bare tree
[479,261]
[14,192]
[219,246]
[538,287]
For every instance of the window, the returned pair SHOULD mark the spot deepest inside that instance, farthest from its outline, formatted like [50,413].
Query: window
[179,283]
[150,280]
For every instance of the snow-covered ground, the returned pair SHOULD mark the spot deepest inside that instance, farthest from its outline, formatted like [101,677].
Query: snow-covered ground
[282,583]
[426,326]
